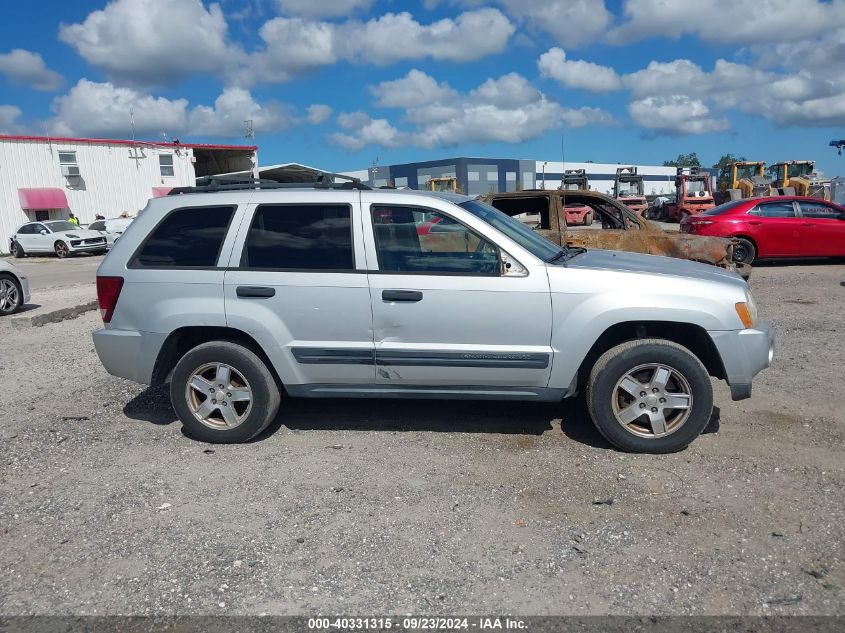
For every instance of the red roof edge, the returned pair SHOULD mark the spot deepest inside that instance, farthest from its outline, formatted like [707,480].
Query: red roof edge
[111,141]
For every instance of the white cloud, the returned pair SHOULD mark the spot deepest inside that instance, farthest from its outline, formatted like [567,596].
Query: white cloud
[27,68]
[296,45]
[805,98]
[397,36]
[572,23]
[153,42]
[102,109]
[578,74]
[322,8]
[9,116]
[231,109]
[413,90]
[677,114]
[507,110]
[366,131]
[318,113]
[728,21]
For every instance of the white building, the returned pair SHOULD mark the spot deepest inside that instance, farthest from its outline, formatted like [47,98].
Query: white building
[43,178]
[476,176]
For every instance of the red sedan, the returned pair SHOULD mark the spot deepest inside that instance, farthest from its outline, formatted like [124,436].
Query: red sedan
[779,226]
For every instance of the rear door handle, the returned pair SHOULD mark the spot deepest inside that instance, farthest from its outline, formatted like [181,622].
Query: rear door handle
[409,296]
[255,291]
[809,224]
[755,223]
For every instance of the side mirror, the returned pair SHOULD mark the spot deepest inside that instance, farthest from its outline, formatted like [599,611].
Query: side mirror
[43,231]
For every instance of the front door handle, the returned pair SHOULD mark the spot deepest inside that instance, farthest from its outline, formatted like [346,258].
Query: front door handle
[409,296]
[255,291]
[755,223]
[809,224]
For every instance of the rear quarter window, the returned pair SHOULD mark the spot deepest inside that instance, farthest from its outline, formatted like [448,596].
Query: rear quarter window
[188,237]
[300,237]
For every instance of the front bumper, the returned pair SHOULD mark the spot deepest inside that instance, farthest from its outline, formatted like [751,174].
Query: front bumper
[744,353]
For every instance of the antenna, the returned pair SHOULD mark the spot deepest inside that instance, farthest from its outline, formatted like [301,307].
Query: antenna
[132,121]
[249,130]
[563,187]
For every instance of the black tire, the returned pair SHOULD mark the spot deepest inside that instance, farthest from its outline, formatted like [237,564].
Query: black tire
[61,249]
[17,304]
[588,219]
[744,252]
[264,391]
[614,364]
[17,250]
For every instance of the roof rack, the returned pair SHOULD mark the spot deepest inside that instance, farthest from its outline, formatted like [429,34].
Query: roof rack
[212,184]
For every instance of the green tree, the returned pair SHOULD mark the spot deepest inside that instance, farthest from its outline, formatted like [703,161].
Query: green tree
[684,160]
[724,172]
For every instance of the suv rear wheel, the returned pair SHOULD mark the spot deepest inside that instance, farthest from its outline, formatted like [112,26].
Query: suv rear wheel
[649,396]
[224,393]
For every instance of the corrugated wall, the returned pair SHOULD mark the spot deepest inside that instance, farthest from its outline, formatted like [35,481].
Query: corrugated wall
[115,178]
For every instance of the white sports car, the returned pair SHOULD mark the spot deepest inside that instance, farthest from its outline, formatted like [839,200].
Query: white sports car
[55,236]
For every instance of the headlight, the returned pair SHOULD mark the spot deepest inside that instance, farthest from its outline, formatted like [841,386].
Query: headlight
[72,236]
[747,310]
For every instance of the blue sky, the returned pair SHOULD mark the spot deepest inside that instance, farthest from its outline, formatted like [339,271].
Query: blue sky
[341,83]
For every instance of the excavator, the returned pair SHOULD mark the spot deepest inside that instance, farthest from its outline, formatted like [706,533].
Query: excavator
[629,190]
[742,179]
[443,184]
[799,177]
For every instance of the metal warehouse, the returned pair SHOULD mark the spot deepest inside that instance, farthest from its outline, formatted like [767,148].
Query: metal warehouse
[44,178]
[476,176]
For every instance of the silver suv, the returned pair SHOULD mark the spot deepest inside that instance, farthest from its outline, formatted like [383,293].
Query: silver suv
[241,295]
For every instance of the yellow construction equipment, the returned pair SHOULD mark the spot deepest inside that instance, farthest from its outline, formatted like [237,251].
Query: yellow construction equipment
[799,178]
[443,184]
[743,179]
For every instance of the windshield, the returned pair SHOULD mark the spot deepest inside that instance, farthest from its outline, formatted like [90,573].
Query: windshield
[60,225]
[800,170]
[695,186]
[514,229]
[629,189]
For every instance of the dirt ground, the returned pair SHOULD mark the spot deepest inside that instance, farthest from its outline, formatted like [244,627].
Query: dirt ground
[364,507]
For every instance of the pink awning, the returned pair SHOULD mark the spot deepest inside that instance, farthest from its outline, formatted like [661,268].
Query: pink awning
[42,198]
[160,192]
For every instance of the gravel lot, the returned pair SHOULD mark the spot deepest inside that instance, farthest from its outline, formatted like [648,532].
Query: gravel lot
[364,507]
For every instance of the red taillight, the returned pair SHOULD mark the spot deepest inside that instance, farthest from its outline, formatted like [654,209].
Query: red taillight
[108,290]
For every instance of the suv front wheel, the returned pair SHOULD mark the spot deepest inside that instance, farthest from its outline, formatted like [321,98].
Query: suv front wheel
[649,396]
[224,393]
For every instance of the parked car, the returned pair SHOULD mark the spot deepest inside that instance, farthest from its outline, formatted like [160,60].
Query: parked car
[775,226]
[111,229]
[14,288]
[56,236]
[237,296]
[622,229]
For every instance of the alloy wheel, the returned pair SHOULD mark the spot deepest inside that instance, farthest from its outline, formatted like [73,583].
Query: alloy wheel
[652,400]
[9,295]
[61,249]
[219,396]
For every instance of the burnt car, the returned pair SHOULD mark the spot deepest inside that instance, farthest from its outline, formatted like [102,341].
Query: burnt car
[621,228]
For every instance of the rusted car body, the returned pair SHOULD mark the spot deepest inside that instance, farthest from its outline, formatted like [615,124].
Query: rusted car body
[622,229]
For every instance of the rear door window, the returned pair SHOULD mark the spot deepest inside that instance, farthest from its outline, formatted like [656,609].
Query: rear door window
[818,210]
[300,237]
[186,238]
